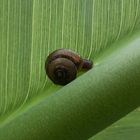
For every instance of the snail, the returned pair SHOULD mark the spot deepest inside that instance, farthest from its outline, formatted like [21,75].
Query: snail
[62,66]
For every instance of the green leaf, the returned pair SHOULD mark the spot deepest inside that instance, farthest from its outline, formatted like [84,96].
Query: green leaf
[31,106]
[127,128]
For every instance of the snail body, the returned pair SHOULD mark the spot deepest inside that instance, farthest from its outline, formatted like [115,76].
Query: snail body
[62,66]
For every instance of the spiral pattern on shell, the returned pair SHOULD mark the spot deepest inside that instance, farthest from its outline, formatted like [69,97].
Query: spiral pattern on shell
[62,66]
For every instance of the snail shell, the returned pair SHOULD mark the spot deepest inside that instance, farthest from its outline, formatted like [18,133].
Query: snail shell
[62,66]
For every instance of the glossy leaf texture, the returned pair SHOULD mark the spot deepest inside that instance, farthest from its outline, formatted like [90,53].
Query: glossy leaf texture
[103,30]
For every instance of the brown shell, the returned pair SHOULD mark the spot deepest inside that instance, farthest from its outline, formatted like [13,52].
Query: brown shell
[62,66]
[66,53]
[61,71]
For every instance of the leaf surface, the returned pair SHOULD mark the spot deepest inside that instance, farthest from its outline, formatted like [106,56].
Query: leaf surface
[30,30]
